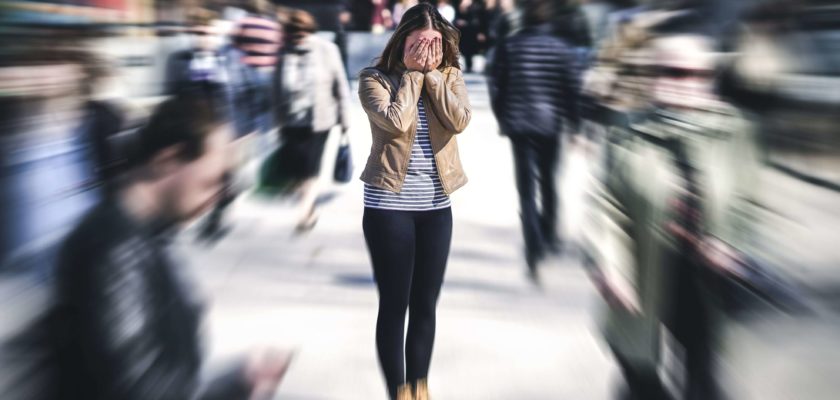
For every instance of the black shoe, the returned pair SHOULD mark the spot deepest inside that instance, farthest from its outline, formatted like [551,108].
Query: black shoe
[534,277]
[306,226]
[532,259]
[212,231]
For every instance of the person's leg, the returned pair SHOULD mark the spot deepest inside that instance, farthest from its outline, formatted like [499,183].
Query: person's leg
[214,228]
[310,187]
[524,160]
[468,61]
[642,383]
[309,190]
[434,235]
[694,333]
[548,156]
[390,238]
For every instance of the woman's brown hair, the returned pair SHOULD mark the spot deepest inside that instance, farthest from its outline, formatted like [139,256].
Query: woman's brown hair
[421,16]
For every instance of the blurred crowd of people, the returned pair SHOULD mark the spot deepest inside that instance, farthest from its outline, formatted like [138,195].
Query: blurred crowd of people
[474,18]
[709,136]
[709,127]
[95,189]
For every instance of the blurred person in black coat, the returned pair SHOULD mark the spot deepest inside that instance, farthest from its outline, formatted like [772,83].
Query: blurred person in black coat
[534,92]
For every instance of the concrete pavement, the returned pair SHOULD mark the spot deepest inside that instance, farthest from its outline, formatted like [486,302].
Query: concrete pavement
[497,336]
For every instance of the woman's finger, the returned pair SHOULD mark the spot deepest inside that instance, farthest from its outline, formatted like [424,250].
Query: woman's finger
[416,47]
[412,49]
[424,48]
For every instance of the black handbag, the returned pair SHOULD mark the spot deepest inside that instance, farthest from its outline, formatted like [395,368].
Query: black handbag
[343,171]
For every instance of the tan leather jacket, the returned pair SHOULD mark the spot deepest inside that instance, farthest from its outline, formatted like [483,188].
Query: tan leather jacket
[390,101]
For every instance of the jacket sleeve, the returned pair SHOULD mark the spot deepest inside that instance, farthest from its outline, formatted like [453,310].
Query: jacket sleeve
[396,116]
[497,79]
[571,90]
[449,99]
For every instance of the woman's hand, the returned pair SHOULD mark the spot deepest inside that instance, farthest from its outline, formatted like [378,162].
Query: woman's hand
[435,56]
[416,57]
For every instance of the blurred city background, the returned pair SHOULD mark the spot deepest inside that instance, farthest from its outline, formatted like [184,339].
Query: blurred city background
[698,187]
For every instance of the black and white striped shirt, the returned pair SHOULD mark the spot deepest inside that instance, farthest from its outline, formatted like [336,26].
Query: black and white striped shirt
[422,190]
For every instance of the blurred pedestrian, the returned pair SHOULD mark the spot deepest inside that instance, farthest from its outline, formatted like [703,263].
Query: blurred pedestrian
[472,20]
[400,8]
[535,99]
[705,158]
[571,24]
[252,55]
[201,66]
[503,19]
[204,68]
[125,322]
[416,101]
[344,18]
[380,15]
[248,63]
[103,120]
[313,97]
[718,170]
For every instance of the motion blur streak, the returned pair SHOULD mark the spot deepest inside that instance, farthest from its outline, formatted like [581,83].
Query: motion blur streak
[675,164]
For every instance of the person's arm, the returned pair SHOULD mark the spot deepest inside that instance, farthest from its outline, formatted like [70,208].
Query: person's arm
[398,116]
[498,79]
[448,97]
[571,90]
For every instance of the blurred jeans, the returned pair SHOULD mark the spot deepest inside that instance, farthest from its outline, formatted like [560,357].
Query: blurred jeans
[536,158]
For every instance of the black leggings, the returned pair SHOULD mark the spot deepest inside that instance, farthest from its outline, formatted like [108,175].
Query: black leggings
[408,250]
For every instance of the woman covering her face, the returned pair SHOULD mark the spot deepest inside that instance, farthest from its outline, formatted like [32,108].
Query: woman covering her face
[416,101]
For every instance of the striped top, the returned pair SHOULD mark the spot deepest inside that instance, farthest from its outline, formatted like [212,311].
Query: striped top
[422,190]
[259,38]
